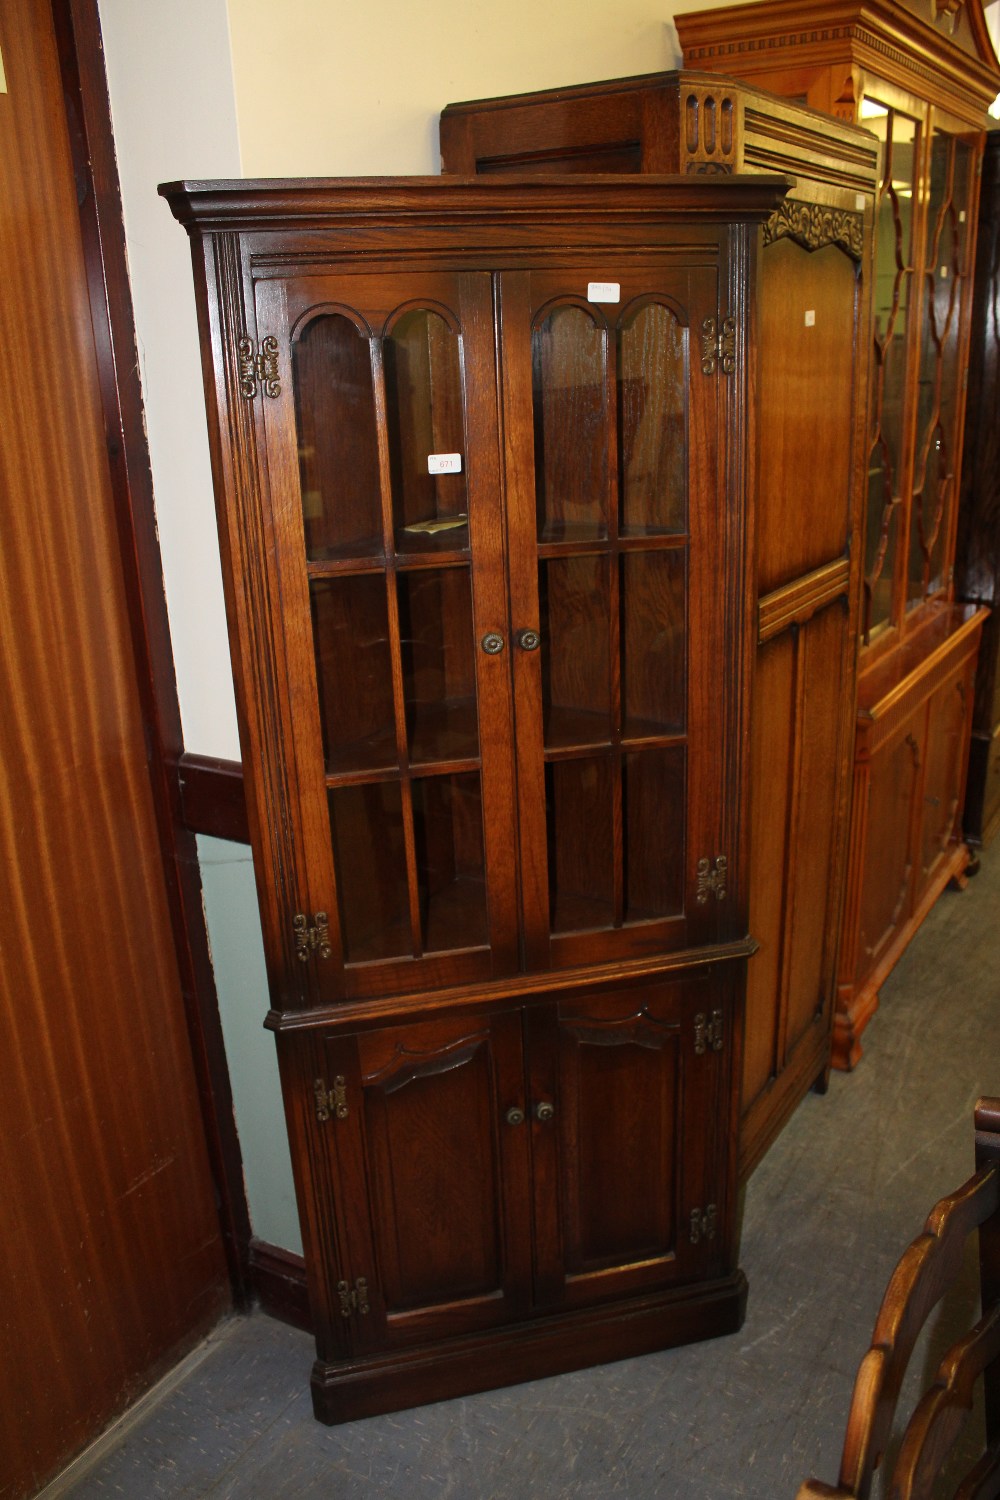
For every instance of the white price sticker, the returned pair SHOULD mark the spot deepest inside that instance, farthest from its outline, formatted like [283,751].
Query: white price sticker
[810,317]
[604,291]
[444,463]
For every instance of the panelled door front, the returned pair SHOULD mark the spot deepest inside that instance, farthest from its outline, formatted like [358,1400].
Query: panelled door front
[433,1178]
[629,1126]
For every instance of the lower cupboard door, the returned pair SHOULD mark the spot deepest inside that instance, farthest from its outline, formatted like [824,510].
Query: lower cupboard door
[433,1176]
[630,1122]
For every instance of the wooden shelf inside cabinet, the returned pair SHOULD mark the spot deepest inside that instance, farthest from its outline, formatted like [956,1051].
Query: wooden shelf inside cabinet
[487,587]
[816,287]
[921,77]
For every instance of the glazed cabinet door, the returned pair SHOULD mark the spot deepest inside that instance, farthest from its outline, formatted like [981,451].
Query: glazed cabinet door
[630,1113]
[619,598]
[431,1183]
[387,537]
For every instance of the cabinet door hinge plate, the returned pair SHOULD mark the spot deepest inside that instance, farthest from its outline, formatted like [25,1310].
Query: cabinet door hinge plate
[314,939]
[353,1299]
[258,368]
[718,346]
[331,1101]
[703,1224]
[708,1032]
[712,879]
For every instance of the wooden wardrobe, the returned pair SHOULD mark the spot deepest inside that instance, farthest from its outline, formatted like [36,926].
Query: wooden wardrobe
[921,75]
[483,462]
[812,379]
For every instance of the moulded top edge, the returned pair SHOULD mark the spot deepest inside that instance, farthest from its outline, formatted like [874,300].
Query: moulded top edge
[287,202]
[752,94]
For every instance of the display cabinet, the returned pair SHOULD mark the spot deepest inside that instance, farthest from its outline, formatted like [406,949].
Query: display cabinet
[481,454]
[921,76]
[977,556]
[815,297]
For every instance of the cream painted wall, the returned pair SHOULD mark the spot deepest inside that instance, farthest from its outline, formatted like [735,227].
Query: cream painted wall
[172,104]
[324,89]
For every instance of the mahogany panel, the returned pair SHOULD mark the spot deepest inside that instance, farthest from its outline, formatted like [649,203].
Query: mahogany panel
[113,1242]
[809,311]
[772,747]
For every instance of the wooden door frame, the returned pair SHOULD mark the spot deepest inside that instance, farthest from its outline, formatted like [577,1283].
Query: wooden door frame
[76,24]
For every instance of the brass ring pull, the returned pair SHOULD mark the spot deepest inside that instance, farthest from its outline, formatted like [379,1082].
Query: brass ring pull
[545,1112]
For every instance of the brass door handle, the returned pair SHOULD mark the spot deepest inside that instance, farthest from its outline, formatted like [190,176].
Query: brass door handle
[529,640]
[514,1116]
[545,1112]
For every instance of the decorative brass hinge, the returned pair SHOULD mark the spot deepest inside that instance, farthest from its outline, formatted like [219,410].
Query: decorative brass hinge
[703,1224]
[311,939]
[353,1299]
[718,346]
[708,1032]
[712,881]
[331,1100]
[258,369]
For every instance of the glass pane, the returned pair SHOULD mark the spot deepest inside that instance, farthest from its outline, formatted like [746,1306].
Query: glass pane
[448,836]
[366,824]
[893,278]
[571,421]
[354,672]
[338,447]
[574,601]
[439,673]
[934,476]
[654,645]
[426,427]
[580,798]
[652,389]
[654,834]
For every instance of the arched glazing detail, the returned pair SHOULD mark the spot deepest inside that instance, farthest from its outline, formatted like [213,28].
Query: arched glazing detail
[652,420]
[935,480]
[338,459]
[892,292]
[570,399]
[426,429]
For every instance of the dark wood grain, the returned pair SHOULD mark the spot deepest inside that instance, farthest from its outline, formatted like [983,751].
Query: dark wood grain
[459,973]
[113,1239]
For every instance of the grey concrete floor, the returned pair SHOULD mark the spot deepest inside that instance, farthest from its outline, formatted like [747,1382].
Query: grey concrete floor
[827,1214]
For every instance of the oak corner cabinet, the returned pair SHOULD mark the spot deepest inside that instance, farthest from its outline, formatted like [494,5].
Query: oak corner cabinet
[814,341]
[921,75]
[482,463]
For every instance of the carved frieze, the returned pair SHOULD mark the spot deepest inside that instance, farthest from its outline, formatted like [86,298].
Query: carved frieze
[815,225]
